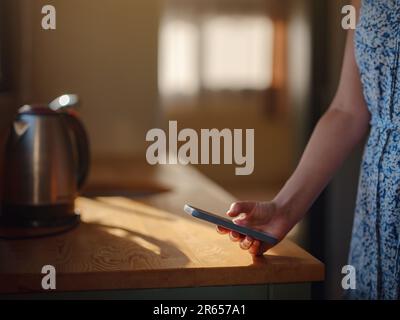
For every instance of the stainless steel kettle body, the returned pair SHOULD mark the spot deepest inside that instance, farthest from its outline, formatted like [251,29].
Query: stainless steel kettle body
[46,162]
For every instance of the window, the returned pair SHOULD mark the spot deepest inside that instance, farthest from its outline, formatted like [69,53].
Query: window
[215,53]
[178,68]
[237,52]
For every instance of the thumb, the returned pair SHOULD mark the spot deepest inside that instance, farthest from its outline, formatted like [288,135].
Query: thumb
[240,209]
[242,219]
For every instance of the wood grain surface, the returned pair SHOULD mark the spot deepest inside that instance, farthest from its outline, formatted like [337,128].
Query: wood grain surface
[143,239]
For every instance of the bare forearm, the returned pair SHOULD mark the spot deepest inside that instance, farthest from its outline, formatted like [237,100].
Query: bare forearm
[334,137]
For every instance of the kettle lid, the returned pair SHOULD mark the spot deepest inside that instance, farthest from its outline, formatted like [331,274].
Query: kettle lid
[36,109]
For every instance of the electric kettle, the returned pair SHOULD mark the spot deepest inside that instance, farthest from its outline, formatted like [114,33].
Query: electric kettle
[46,163]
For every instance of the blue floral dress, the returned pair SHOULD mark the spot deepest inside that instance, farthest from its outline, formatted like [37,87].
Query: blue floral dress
[375,242]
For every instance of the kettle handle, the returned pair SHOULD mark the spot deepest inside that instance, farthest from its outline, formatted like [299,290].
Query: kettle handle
[81,141]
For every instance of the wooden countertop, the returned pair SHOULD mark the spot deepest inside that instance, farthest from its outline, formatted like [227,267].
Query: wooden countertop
[148,242]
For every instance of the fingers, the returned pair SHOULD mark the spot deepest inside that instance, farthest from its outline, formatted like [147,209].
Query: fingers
[255,247]
[240,207]
[222,230]
[258,248]
[235,236]
[246,243]
[244,214]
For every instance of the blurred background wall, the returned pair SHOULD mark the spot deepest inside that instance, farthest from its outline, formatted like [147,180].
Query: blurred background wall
[104,50]
[264,64]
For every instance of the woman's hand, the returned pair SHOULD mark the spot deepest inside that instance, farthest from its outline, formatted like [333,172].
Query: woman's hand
[262,216]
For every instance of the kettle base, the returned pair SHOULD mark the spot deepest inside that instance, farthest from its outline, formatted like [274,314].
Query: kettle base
[20,233]
[11,232]
[32,221]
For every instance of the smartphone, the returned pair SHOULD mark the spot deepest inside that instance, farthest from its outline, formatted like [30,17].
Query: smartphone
[228,224]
